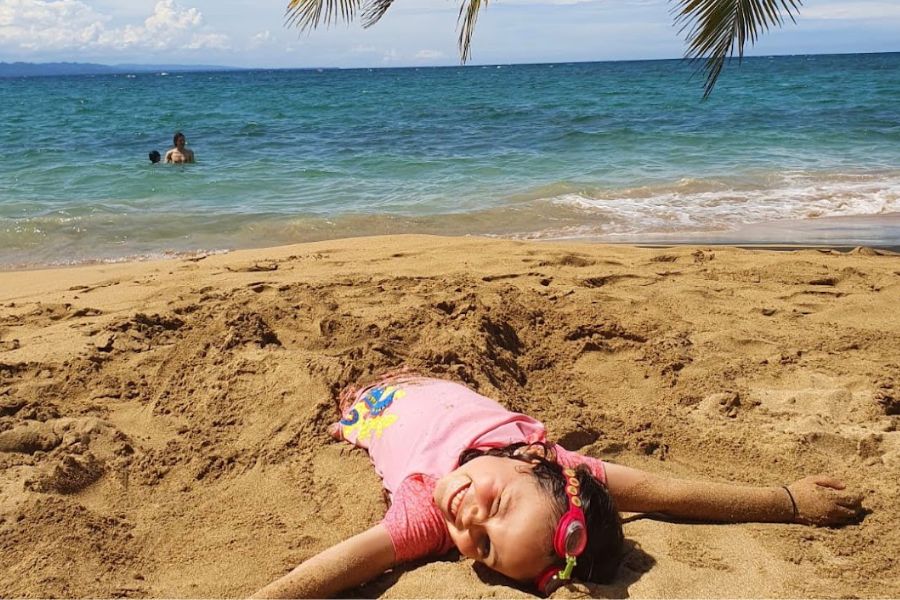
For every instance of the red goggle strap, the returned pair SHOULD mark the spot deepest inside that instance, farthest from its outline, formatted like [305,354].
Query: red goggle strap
[545,578]
[572,487]
[557,574]
[574,515]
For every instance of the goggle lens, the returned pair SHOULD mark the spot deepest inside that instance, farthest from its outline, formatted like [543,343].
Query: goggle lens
[576,538]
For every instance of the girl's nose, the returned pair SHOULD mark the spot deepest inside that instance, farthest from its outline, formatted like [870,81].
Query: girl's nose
[475,511]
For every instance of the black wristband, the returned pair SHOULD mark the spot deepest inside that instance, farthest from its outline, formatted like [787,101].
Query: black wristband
[793,502]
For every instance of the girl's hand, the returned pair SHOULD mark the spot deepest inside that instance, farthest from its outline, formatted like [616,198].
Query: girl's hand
[822,501]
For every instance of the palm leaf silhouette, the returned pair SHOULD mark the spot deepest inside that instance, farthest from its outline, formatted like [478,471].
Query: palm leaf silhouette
[715,28]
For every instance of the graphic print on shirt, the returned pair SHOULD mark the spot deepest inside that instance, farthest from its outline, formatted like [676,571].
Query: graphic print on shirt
[367,415]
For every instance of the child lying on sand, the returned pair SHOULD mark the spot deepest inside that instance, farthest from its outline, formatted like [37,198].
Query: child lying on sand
[463,471]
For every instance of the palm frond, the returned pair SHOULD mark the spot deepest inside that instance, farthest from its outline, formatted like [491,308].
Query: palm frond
[717,27]
[468,15]
[374,10]
[309,14]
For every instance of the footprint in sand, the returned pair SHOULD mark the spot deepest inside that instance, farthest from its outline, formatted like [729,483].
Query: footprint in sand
[29,438]
[10,345]
[69,474]
[568,260]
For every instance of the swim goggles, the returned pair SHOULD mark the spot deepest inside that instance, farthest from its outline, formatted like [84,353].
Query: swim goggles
[569,541]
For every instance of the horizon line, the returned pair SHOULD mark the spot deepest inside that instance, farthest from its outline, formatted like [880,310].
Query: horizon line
[224,68]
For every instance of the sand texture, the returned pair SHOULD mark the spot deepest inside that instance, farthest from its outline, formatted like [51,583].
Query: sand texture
[163,424]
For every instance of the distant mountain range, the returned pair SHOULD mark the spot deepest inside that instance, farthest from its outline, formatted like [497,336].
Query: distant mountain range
[22,69]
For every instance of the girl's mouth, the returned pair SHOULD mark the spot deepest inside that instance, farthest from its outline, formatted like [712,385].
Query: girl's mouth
[456,499]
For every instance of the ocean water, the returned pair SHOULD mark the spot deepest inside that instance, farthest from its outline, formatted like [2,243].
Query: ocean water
[788,149]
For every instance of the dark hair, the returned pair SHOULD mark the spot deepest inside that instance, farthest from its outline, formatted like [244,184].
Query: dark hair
[154,156]
[600,560]
[175,137]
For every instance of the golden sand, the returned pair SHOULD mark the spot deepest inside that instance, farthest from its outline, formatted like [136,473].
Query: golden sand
[163,424]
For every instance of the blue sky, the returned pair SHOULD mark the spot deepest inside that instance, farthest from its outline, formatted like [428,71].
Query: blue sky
[414,32]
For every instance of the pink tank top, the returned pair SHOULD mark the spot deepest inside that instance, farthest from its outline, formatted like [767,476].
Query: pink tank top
[420,426]
[414,430]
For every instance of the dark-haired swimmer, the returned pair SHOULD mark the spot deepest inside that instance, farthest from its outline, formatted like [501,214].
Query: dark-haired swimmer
[180,153]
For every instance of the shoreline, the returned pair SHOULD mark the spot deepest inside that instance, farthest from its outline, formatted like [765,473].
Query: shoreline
[146,403]
[198,256]
[802,234]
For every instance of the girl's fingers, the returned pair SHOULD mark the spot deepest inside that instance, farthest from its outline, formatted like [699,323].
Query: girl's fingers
[833,516]
[828,481]
[852,501]
[844,514]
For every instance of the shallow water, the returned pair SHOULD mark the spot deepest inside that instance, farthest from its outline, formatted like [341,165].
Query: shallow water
[621,151]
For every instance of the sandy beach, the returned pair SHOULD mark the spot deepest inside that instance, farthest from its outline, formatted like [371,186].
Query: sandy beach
[163,424]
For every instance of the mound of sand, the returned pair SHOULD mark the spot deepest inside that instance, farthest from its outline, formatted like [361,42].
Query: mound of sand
[163,425]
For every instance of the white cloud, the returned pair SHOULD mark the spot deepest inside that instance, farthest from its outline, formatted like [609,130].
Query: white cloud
[261,38]
[53,25]
[72,25]
[214,41]
[429,54]
[363,49]
[168,15]
[852,11]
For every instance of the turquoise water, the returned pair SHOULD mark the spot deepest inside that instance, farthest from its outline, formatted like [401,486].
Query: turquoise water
[623,151]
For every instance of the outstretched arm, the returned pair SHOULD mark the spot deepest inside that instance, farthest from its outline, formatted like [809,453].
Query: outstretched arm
[820,500]
[348,564]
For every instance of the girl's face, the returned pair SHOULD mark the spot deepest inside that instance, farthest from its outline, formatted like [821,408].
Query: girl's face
[498,514]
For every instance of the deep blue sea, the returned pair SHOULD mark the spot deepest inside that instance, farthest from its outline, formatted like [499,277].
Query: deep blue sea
[788,149]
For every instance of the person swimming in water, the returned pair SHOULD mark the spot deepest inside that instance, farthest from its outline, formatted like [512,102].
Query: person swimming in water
[154,156]
[180,153]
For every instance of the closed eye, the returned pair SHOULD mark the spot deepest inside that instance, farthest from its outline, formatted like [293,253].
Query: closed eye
[484,547]
[496,506]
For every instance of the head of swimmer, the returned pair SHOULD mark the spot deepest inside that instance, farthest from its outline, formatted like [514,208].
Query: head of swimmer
[179,140]
[502,505]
